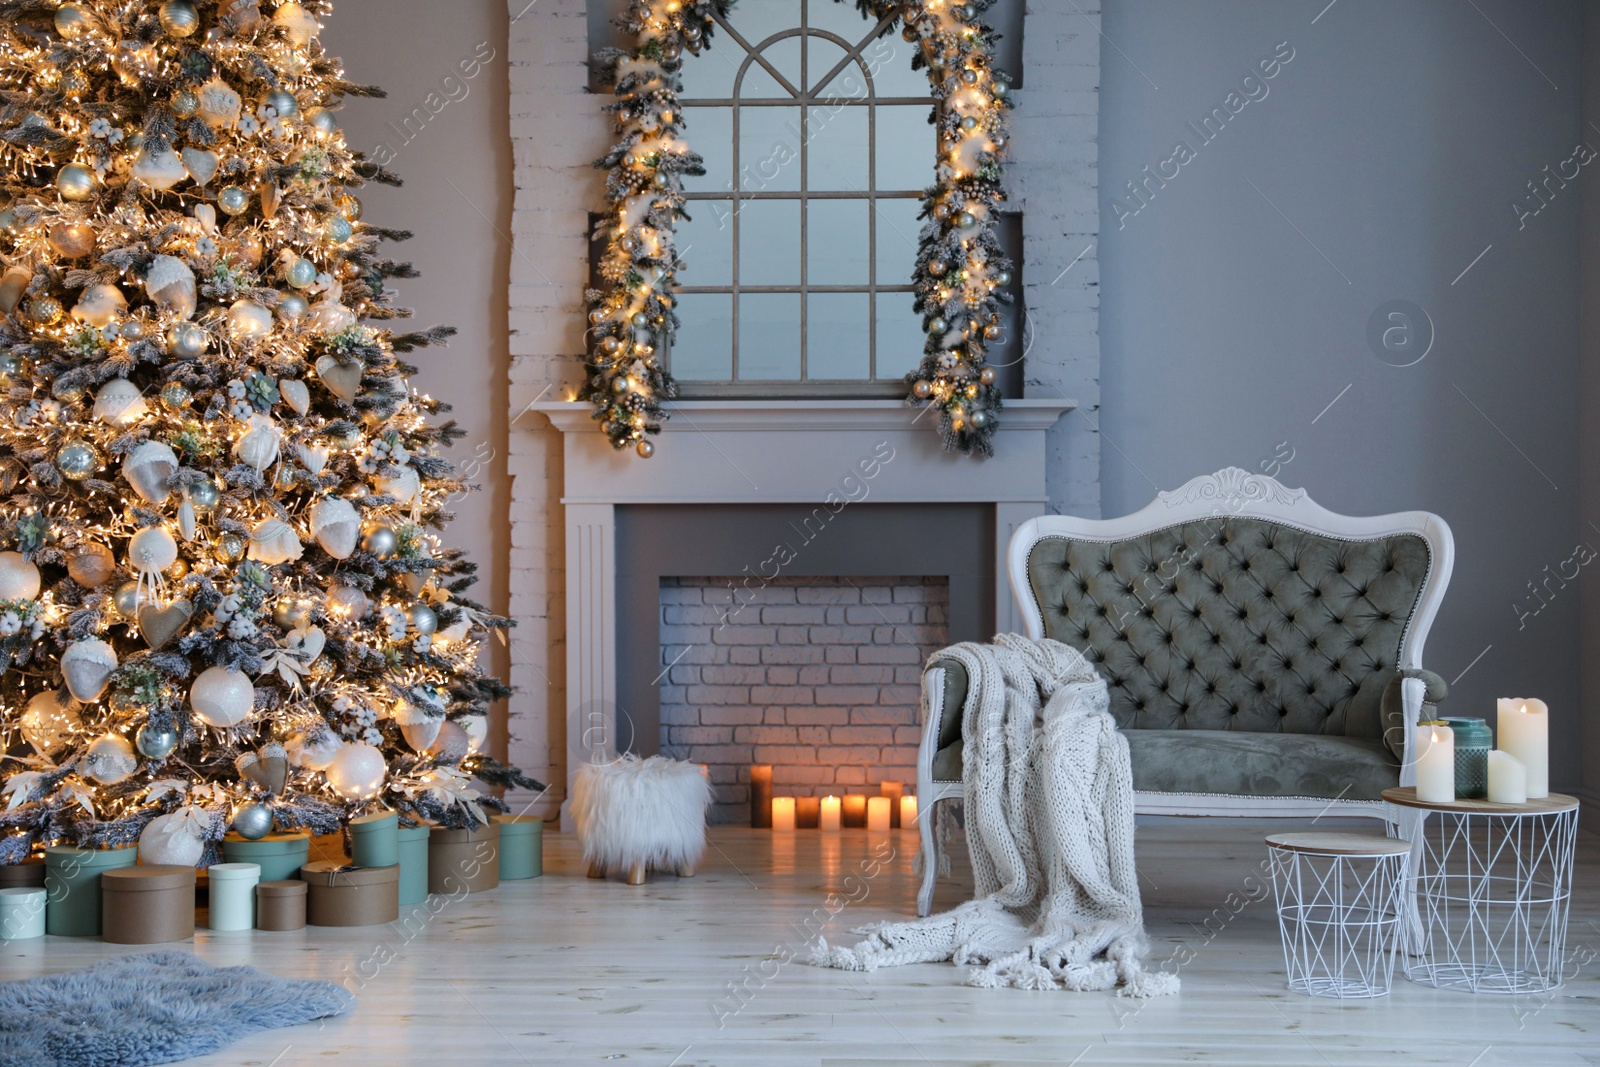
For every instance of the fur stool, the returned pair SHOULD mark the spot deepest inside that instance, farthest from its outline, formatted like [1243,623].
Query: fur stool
[637,814]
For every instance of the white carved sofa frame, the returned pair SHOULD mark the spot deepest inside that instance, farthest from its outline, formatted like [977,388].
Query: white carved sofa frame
[1193,529]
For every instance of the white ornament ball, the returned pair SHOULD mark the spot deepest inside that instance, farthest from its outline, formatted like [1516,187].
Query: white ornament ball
[168,839]
[404,486]
[350,601]
[100,305]
[19,579]
[87,667]
[152,549]
[48,721]
[119,402]
[477,727]
[249,321]
[221,697]
[452,743]
[298,23]
[159,168]
[357,772]
[110,759]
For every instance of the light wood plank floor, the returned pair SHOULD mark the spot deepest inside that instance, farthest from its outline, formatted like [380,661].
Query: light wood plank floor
[564,970]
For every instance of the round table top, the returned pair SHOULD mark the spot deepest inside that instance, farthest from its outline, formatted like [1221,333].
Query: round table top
[1334,844]
[1406,796]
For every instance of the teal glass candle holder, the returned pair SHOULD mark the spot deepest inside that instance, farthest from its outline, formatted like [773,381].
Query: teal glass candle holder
[1474,740]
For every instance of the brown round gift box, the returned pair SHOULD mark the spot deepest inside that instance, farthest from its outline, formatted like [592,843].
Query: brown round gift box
[281,905]
[29,874]
[463,860]
[147,905]
[351,896]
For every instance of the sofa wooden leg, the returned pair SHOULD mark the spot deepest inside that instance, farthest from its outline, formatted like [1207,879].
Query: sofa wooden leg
[685,870]
[635,874]
[929,855]
[597,869]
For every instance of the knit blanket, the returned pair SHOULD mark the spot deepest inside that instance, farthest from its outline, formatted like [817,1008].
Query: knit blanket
[1048,791]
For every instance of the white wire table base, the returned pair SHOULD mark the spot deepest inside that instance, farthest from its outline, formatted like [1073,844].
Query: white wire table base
[1339,916]
[1492,896]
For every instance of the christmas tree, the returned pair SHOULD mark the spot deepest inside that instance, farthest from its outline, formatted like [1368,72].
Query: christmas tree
[223,597]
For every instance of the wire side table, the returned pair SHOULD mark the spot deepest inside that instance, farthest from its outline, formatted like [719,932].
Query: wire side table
[1493,885]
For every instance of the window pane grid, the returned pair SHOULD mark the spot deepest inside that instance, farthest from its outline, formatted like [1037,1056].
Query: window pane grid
[845,295]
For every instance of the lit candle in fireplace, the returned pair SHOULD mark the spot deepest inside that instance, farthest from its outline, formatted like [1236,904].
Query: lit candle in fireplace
[855,811]
[828,818]
[894,791]
[908,812]
[761,795]
[878,814]
[782,814]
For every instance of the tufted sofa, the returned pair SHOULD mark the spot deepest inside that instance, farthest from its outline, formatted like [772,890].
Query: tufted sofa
[1263,655]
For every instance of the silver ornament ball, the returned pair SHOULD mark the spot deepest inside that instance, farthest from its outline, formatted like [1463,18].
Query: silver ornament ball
[937,325]
[292,307]
[966,220]
[969,123]
[980,419]
[233,200]
[126,599]
[422,618]
[283,103]
[132,330]
[71,20]
[380,541]
[252,821]
[322,120]
[922,389]
[75,182]
[154,743]
[645,449]
[340,229]
[301,273]
[186,340]
[204,496]
[77,460]
[179,18]
[1002,278]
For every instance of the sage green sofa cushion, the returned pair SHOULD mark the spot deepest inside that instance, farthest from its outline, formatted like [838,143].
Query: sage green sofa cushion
[1242,655]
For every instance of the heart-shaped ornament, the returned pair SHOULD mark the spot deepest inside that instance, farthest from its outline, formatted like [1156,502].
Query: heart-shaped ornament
[201,164]
[295,394]
[342,379]
[158,625]
[269,772]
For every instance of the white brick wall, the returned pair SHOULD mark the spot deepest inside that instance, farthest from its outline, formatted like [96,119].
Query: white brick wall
[816,676]
[557,131]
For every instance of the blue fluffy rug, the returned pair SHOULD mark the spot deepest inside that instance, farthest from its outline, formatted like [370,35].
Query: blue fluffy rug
[153,1008]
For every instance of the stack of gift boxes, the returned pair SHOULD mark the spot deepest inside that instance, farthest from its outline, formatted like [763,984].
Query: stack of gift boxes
[270,883]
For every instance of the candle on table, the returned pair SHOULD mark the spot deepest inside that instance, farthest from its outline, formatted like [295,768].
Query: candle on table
[829,817]
[908,812]
[782,814]
[1436,764]
[855,811]
[1524,726]
[761,795]
[894,791]
[1508,782]
[878,813]
[807,811]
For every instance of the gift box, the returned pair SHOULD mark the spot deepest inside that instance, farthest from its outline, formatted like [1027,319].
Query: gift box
[413,849]
[29,874]
[464,860]
[281,905]
[375,840]
[233,895]
[521,846]
[147,905]
[21,912]
[279,856]
[72,884]
[351,896]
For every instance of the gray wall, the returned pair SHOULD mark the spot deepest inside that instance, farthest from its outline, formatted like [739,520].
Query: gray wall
[1384,158]
[446,134]
[1589,439]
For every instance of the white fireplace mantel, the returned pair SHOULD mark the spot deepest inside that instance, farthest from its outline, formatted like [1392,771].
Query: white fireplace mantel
[763,452]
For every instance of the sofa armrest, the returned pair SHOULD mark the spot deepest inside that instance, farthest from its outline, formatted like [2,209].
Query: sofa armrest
[1399,718]
[948,731]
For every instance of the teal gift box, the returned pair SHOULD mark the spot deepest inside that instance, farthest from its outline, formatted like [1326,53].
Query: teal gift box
[521,846]
[412,847]
[280,856]
[72,886]
[375,840]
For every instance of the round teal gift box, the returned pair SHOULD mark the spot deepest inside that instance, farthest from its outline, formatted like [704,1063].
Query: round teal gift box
[521,846]
[72,886]
[280,856]
[412,847]
[375,840]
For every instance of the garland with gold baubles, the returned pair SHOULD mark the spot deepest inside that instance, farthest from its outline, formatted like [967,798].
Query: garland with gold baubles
[962,273]
[631,319]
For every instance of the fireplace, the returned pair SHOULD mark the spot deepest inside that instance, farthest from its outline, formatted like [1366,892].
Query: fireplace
[775,495]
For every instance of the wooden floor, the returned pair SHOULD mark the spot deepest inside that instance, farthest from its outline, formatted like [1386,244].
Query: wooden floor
[564,970]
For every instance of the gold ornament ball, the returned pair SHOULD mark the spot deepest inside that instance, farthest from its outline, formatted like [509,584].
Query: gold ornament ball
[70,240]
[175,397]
[231,548]
[126,599]
[289,612]
[185,104]
[922,389]
[186,340]
[348,206]
[45,310]
[986,376]
[233,200]
[71,20]
[645,449]
[179,18]
[178,569]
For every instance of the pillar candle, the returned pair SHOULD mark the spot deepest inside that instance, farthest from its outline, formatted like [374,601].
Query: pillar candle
[894,791]
[782,814]
[878,813]
[1436,764]
[908,812]
[807,812]
[1508,782]
[1524,726]
[828,819]
[855,811]
[761,795]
